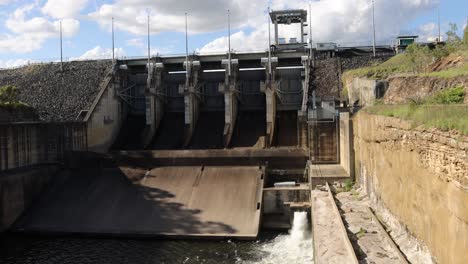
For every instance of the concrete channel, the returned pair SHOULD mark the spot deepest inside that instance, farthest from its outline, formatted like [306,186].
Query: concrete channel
[331,242]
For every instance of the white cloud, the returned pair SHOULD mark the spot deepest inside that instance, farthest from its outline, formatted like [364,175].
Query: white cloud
[14,63]
[428,32]
[4,2]
[166,15]
[135,42]
[100,53]
[341,21]
[64,9]
[29,34]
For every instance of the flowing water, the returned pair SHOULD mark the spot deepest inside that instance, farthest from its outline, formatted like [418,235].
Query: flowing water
[270,247]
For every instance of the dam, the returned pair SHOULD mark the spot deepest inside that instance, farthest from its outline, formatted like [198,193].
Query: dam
[218,146]
[238,157]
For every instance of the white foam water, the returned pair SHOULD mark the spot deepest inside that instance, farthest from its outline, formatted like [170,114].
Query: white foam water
[295,247]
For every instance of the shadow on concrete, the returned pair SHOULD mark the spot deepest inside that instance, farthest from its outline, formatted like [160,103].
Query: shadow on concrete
[110,201]
[209,131]
[170,134]
[250,129]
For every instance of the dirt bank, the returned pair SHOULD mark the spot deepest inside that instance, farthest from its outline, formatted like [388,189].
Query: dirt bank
[402,89]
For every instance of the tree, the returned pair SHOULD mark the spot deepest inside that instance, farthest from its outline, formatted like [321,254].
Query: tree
[419,56]
[465,35]
[453,40]
[9,95]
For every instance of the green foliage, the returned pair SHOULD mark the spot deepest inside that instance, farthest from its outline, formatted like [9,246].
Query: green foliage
[362,232]
[9,97]
[454,42]
[348,185]
[440,52]
[419,57]
[454,95]
[465,36]
[8,94]
[444,117]
[397,64]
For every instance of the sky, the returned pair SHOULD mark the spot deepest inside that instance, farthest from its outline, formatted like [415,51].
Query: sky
[30,29]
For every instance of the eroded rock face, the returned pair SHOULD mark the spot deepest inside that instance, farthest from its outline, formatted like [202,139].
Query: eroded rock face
[56,95]
[402,89]
[421,176]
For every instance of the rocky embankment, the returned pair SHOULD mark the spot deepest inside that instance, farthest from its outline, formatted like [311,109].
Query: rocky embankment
[57,95]
[420,175]
[327,73]
[402,89]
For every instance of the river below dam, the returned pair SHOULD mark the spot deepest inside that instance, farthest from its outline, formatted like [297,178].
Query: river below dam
[294,246]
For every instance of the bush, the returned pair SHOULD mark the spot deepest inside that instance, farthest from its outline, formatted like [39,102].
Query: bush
[454,95]
[8,94]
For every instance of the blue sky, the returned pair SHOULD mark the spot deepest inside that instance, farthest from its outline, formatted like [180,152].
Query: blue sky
[29,28]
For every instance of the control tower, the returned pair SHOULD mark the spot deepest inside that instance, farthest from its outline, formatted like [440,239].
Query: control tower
[288,17]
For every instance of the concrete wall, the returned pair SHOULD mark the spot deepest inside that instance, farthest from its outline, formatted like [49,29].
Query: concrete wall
[27,144]
[419,175]
[346,144]
[19,189]
[105,116]
[365,91]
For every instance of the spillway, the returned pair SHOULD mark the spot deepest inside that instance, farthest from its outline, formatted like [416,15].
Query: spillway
[182,201]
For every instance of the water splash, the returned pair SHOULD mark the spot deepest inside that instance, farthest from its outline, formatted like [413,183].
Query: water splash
[295,247]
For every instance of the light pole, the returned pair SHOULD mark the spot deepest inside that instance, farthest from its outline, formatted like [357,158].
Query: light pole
[187,68]
[438,22]
[373,26]
[269,44]
[229,41]
[149,41]
[61,47]
[310,30]
[113,45]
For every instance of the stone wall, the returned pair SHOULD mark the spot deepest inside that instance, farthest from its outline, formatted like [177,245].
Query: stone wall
[19,189]
[420,176]
[327,73]
[57,95]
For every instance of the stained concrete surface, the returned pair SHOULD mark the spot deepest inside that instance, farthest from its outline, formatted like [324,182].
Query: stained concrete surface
[370,242]
[330,244]
[166,201]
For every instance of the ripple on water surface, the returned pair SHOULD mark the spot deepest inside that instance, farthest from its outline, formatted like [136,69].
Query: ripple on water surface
[272,248]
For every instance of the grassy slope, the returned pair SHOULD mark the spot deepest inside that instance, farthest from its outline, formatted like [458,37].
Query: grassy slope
[397,64]
[401,64]
[441,117]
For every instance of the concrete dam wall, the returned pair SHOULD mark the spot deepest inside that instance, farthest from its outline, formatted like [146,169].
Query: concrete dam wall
[19,189]
[420,176]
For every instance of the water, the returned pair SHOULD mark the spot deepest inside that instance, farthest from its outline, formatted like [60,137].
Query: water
[271,248]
